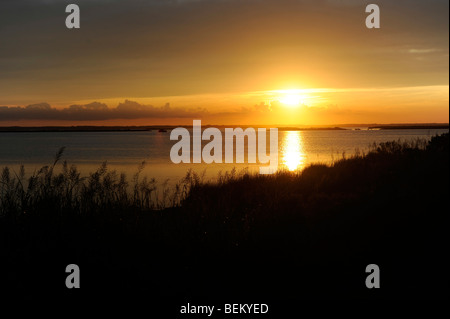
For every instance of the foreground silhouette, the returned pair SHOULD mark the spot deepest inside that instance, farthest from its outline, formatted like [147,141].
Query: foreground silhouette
[286,236]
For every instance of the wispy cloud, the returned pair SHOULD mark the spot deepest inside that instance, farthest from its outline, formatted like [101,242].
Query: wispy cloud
[421,51]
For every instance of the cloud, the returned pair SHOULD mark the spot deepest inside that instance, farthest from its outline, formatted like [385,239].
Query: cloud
[418,51]
[39,107]
[155,48]
[263,107]
[96,112]
[92,106]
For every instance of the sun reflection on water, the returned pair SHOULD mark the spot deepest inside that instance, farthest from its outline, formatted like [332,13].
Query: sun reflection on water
[292,148]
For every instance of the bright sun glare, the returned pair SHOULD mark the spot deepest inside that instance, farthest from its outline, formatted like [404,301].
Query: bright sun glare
[291,98]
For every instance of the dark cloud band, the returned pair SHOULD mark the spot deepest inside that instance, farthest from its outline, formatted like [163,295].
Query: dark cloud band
[95,112]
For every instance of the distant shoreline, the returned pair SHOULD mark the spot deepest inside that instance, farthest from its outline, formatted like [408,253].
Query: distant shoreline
[37,129]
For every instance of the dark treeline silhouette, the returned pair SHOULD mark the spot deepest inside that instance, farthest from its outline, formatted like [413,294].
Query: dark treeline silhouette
[286,236]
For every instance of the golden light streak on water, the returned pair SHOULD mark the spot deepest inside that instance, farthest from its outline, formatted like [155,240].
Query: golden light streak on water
[293,156]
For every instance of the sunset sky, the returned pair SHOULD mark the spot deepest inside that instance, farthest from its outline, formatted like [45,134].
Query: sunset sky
[262,62]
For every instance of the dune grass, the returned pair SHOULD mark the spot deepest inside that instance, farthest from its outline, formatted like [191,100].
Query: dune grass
[309,233]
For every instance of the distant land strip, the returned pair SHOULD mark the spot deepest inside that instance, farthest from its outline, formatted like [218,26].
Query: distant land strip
[410,127]
[164,128]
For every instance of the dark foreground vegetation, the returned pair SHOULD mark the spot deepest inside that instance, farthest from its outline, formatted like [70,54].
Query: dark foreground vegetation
[251,238]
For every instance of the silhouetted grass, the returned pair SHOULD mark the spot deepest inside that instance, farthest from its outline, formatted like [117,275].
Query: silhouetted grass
[307,234]
[67,192]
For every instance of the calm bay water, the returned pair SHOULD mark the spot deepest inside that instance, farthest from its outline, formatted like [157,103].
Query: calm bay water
[124,151]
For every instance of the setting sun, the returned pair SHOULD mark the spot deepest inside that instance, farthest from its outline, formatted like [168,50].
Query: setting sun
[210,157]
[291,98]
